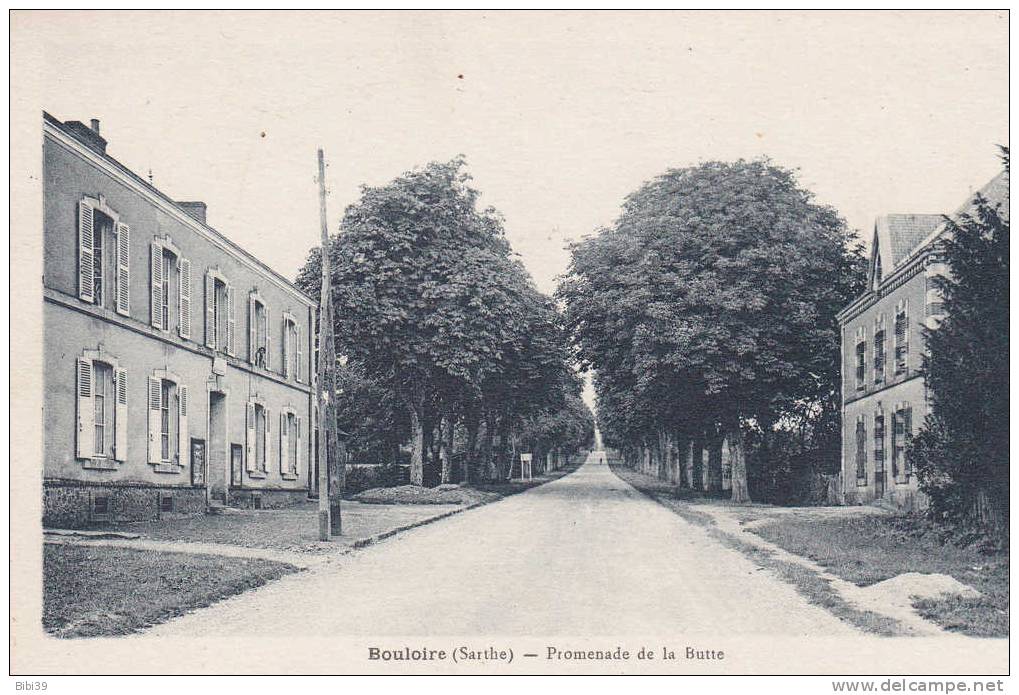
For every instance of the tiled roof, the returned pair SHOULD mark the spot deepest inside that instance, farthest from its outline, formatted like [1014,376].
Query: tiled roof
[905,232]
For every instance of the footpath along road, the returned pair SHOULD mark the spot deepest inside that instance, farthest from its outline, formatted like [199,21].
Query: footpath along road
[583,555]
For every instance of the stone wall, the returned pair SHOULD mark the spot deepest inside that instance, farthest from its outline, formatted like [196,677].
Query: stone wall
[70,505]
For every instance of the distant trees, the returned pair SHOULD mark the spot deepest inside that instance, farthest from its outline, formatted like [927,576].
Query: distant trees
[443,327]
[708,312]
[961,453]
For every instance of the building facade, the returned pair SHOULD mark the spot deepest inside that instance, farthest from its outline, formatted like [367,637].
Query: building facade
[883,393]
[177,366]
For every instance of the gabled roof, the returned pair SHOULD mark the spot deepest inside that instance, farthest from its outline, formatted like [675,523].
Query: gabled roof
[896,236]
[898,240]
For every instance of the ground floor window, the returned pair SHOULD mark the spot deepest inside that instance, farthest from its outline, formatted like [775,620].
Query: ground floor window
[169,408]
[101,391]
[861,451]
[901,433]
[260,437]
[879,444]
[103,411]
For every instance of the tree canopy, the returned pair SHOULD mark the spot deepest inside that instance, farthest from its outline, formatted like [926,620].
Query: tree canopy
[433,309]
[710,304]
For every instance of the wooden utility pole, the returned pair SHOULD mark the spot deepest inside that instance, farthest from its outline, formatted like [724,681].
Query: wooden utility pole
[330,477]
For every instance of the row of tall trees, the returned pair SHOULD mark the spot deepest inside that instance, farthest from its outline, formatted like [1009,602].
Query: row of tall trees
[708,313]
[446,340]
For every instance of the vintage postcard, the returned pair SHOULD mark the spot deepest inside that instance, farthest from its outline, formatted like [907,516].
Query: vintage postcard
[503,343]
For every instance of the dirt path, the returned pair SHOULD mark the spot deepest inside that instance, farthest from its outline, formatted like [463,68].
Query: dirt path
[583,555]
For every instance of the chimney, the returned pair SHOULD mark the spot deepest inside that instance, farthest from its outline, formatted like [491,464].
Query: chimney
[195,208]
[87,135]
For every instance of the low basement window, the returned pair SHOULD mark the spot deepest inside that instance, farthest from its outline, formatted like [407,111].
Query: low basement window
[166,503]
[101,508]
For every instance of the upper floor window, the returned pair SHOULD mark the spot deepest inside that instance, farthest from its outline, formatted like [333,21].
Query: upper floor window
[219,313]
[293,352]
[104,256]
[901,338]
[171,288]
[879,356]
[861,358]
[259,340]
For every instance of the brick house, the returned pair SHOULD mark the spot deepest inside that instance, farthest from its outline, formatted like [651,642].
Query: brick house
[176,364]
[883,393]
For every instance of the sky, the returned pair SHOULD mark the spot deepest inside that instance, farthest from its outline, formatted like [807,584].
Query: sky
[560,115]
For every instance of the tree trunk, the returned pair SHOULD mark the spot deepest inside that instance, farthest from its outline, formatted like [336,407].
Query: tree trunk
[698,462]
[473,425]
[680,462]
[445,453]
[714,462]
[740,491]
[450,431]
[417,456]
[487,445]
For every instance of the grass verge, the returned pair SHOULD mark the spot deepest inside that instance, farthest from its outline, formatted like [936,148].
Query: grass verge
[103,591]
[867,550]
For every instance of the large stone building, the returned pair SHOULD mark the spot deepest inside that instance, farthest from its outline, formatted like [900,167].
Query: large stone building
[176,364]
[883,393]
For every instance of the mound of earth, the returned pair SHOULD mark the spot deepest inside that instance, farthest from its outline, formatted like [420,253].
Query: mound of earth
[412,494]
[904,588]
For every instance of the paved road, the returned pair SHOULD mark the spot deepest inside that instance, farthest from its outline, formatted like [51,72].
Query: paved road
[583,555]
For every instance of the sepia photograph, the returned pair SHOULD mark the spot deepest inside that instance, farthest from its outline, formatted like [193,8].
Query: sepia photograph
[511,343]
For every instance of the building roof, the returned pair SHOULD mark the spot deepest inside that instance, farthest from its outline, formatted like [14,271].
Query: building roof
[900,239]
[994,192]
[900,234]
[186,216]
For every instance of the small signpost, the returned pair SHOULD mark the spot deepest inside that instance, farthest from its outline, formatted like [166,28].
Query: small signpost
[526,472]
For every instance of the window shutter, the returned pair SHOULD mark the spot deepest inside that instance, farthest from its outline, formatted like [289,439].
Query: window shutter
[184,294]
[298,367]
[286,348]
[230,323]
[252,332]
[249,436]
[296,464]
[268,339]
[907,433]
[155,429]
[123,269]
[120,415]
[268,438]
[284,444]
[86,243]
[86,410]
[157,285]
[183,438]
[210,310]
